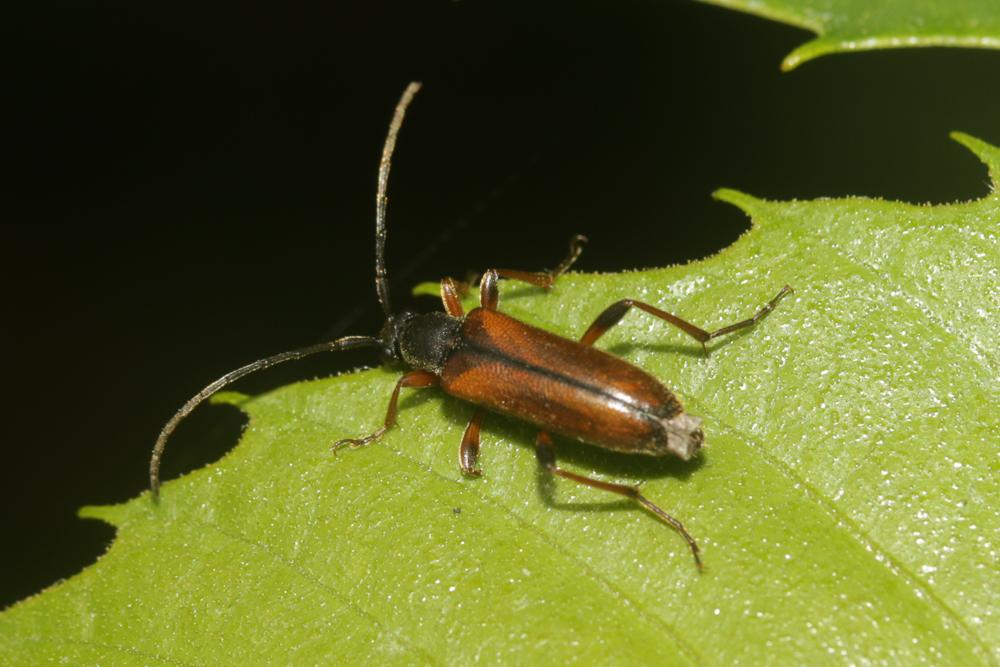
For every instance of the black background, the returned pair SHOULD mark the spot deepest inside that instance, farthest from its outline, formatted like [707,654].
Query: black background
[190,189]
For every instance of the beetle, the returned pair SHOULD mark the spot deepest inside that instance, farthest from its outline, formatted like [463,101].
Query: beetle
[500,364]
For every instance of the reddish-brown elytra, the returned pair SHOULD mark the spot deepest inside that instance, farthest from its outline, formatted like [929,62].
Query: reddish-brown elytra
[500,364]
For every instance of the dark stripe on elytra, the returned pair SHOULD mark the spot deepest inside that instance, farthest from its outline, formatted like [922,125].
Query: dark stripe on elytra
[493,353]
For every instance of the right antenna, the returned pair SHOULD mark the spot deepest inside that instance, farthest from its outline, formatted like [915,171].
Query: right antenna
[382,199]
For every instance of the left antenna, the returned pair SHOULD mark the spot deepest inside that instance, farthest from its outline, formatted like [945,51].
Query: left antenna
[345,343]
[382,197]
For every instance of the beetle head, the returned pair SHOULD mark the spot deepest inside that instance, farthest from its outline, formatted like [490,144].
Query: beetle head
[390,336]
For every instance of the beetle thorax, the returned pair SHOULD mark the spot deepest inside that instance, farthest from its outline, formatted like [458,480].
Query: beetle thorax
[422,341]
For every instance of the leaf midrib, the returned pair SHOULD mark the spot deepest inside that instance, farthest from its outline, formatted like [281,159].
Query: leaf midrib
[424,467]
[869,544]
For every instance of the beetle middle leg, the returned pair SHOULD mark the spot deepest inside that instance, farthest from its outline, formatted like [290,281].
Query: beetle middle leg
[489,294]
[415,379]
[547,278]
[613,314]
[544,279]
[468,454]
[545,451]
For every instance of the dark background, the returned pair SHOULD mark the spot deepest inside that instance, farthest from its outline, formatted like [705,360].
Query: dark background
[190,189]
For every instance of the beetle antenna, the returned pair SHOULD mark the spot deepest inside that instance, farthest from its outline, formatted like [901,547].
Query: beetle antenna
[382,199]
[345,343]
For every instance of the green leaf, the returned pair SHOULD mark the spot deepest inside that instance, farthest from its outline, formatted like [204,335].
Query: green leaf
[847,501]
[863,25]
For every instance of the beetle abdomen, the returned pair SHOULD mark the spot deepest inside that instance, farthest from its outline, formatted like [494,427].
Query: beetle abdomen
[561,386]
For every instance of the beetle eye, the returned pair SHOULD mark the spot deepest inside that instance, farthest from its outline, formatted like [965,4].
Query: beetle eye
[390,336]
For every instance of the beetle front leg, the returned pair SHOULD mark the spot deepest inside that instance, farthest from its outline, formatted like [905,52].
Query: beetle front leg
[545,450]
[450,298]
[416,379]
[613,314]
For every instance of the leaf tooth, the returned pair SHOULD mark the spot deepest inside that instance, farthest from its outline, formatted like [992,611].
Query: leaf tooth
[987,154]
[747,203]
[112,514]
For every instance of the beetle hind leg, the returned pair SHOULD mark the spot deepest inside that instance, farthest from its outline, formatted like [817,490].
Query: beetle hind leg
[545,450]
[614,313]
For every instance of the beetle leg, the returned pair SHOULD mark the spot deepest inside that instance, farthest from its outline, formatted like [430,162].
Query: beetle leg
[450,298]
[613,314]
[759,315]
[547,278]
[417,379]
[544,279]
[489,295]
[469,452]
[545,450]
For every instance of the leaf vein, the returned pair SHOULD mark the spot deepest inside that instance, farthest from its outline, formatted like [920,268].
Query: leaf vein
[869,544]
[559,548]
[307,576]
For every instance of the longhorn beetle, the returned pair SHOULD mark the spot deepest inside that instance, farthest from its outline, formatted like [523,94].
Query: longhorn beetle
[500,364]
